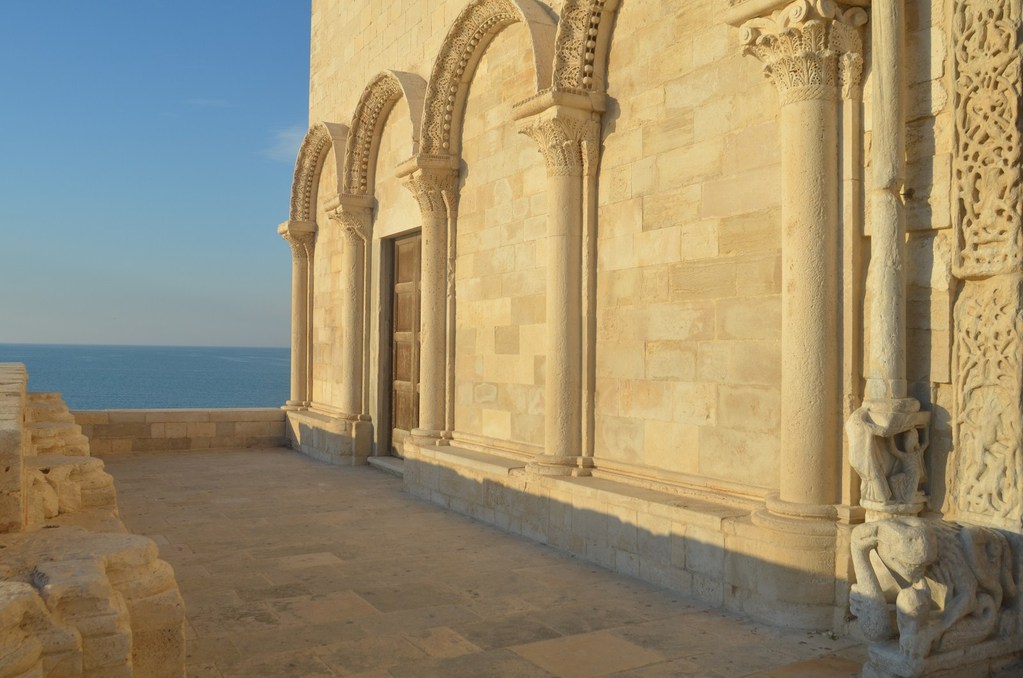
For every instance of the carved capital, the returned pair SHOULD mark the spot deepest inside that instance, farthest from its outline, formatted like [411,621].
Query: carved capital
[302,244]
[435,189]
[569,140]
[810,49]
[354,221]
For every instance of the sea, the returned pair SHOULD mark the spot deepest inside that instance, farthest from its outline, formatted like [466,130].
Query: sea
[156,377]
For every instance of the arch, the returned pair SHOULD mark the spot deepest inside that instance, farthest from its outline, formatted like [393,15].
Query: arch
[581,45]
[461,51]
[375,104]
[311,154]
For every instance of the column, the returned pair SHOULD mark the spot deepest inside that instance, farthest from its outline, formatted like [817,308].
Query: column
[567,138]
[888,434]
[301,237]
[354,218]
[435,191]
[809,49]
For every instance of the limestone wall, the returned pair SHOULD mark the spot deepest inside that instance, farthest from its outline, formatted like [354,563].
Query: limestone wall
[13,448]
[688,256]
[500,266]
[118,431]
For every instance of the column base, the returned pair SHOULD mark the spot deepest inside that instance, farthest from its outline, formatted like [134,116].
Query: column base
[555,465]
[425,436]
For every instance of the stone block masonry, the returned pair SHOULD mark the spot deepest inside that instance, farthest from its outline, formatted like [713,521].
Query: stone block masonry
[123,431]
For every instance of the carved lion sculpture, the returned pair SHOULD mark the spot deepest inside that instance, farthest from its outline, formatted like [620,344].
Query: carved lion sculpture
[934,584]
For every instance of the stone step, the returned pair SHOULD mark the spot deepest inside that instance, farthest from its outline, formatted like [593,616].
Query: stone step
[47,411]
[51,429]
[45,397]
[77,446]
[72,483]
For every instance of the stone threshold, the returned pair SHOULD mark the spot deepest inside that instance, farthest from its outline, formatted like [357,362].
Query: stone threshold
[393,465]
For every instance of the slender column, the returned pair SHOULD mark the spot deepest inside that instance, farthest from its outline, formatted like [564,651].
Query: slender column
[435,191]
[565,136]
[888,434]
[354,221]
[301,238]
[809,50]
[886,376]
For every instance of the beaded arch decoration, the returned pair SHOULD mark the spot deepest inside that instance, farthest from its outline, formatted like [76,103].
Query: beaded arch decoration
[375,105]
[461,51]
[311,154]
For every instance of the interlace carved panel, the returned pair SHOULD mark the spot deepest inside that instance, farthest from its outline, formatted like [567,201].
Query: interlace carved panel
[985,471]
[987,177]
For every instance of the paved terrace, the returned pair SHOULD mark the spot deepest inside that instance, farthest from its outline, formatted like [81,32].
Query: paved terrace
[290,567]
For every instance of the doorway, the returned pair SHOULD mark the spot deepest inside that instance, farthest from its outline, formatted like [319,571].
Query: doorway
[404,337]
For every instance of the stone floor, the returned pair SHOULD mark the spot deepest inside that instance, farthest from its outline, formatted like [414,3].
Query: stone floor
[290,567]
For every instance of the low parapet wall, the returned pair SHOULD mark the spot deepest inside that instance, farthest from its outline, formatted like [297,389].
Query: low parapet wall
[122,431]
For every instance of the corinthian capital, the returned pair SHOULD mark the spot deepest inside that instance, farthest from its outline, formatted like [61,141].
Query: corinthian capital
[810,49]
[354,218]
[301,236]
[568,140]
[435,189]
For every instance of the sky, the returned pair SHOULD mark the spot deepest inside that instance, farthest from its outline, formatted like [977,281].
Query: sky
[146,155]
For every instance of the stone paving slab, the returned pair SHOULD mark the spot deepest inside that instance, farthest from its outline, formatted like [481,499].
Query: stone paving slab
[290,567]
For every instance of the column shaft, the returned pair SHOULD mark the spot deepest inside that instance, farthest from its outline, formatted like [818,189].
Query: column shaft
[352,262]
[299,324]
[810,439]
[886,375]
[433,323]
[563,423]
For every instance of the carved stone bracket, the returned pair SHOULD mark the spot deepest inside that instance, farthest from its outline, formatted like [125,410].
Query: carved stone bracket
[887,441]
[810,49]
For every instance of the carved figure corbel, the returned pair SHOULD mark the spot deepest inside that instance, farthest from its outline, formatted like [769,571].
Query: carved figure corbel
[886,448]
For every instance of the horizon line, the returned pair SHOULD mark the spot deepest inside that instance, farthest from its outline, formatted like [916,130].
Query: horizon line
[65,344]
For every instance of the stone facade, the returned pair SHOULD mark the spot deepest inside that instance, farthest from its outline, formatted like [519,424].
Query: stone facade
[670,252]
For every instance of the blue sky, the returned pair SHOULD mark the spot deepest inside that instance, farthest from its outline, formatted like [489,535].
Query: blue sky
[146,155]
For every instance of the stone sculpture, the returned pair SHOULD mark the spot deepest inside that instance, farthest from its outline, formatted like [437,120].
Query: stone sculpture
[934,585]
[886,449]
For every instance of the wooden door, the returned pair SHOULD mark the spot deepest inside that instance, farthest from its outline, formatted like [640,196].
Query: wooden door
[405,341]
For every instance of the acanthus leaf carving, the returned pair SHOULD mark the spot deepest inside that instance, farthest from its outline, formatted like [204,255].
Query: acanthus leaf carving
[810,49]
[355,221]
[435,190]
[569,143]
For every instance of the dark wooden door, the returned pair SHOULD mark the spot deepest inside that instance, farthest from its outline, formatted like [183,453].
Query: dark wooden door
[405,341]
